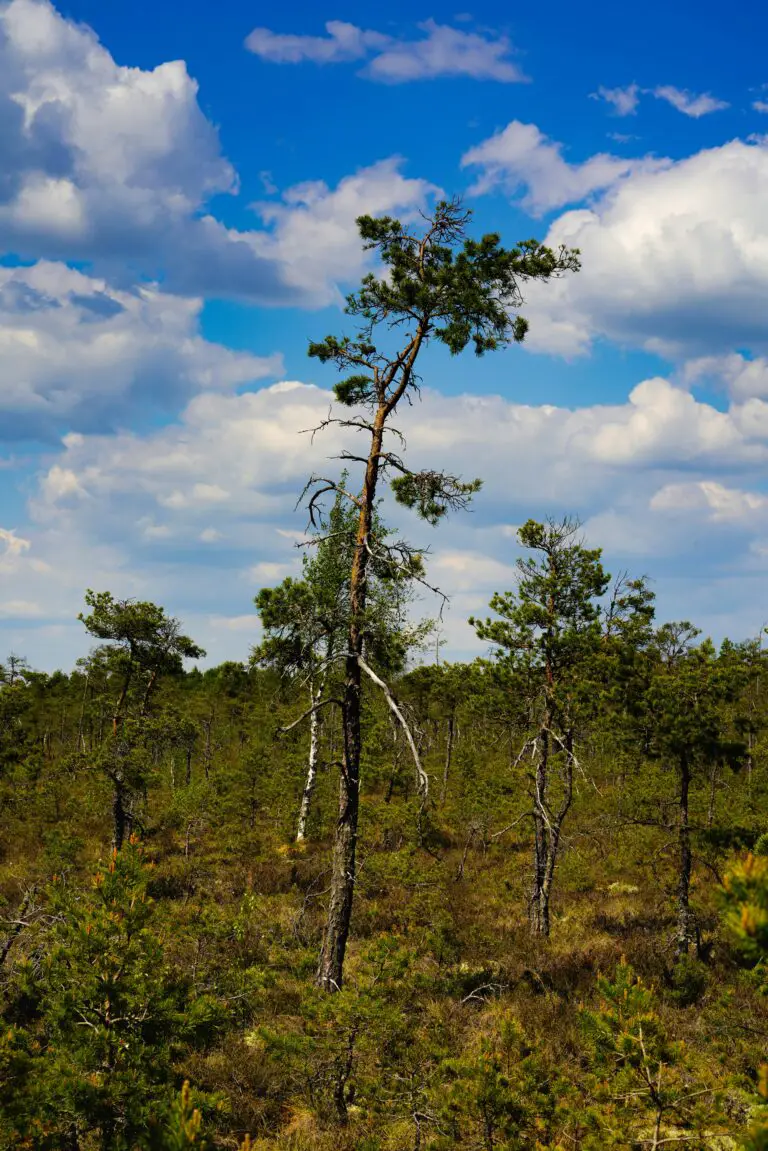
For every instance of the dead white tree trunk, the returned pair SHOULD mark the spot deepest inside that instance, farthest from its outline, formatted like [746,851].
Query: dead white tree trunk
[314,755]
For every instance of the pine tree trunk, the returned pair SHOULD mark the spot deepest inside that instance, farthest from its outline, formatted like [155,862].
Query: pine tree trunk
[331,965]
[118,712]
[72,1139]
[750,749]
[314,753]
[119,814]
[208,724]
[148,693]
[684,922]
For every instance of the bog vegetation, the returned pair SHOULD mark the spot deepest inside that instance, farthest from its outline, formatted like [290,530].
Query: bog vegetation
[345,895]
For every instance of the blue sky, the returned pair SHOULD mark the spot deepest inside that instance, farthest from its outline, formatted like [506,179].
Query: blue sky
[178,188]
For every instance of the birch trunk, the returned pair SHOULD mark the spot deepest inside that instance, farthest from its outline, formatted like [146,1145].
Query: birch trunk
[314,755]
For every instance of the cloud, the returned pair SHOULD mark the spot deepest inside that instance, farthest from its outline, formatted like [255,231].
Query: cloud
[312,234]
[99,160]
[212,497]
[79,354]
[344,42]
[521,156]
[13,548]
[688,102]
[465,570]
[174,475]
[20,609]
[674,260]
[446,51]
[441,51]
[743,378]
[237,623]
[624,101]
[760,105]
[115,166]
[715,500]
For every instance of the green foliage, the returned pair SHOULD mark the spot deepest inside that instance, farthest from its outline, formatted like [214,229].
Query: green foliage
[141,630]
[686,697]
[455,1027]
[552,622]
[433,494]
[183,1129]
[688,980]
[746,909]
[644,1076]
[499,1093]
[467,287]
[439,285]
[745,901]
[306,621]
[109,1013]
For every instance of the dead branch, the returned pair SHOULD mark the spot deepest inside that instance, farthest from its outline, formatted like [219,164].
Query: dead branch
[423,778]
[504,830]
[305,715]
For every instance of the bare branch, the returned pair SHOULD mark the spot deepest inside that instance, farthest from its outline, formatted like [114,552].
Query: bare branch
[504,830]
[322,486]
[308,712]
[423,778]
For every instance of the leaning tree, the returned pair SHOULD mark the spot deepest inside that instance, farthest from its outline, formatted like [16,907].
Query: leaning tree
[434,284]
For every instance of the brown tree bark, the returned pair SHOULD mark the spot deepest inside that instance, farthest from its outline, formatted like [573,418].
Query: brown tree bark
[343,871]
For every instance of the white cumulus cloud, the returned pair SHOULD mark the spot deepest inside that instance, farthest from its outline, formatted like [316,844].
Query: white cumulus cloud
[674,260]
[625,100]
[132,512]
[715,500]
[116,165]
[312,231]
[521,157]
[78,353]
